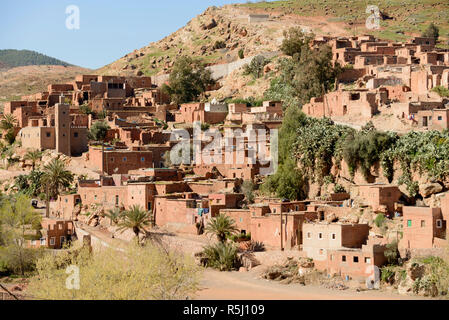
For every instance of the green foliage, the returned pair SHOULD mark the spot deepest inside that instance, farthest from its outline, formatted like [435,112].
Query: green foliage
[56,177]
[392,253]
[255,67]
[241,54]
[248,190]
[432,31]
[387,274]
[85,109]
[241,237]
[249,101]
[30,184]
[317,142]
[221,256]
[442,91]
[114,215]
[308,74]
[17,58]
[135,273]
[364,148]
[135,219]
[294,41]
[18,223]
[338,188]
[422,151]
[379,220]
[33,156]
[222,227]
[219,44]
[287,183]
[98,131]
[188,80]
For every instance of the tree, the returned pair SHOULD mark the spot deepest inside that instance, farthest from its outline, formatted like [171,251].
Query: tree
[222,226]
[98,132]
[135,219]
[18,220]
[34,156]
[8,122]
[136,273]
[188,80]
[248,190]
[55,178]
[294,41]
[255,67]
[114,215]
[432,31]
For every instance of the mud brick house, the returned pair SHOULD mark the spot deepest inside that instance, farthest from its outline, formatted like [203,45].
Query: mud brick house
[355,263]
[423,228]
[191,112]
[436,119]
[64,206]
[321,237]
[339,103]
[381,198]
[64,136]
[120,161]
[55,233]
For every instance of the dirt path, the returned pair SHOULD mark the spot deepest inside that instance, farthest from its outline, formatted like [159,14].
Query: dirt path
[240,286]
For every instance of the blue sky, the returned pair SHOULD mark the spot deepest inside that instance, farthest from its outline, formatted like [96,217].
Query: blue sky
[109,29]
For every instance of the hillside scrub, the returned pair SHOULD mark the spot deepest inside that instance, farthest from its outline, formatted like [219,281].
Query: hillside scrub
[138,273]
[188,80]
[307,73]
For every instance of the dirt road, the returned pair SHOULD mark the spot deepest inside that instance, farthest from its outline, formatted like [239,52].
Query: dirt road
[243,286]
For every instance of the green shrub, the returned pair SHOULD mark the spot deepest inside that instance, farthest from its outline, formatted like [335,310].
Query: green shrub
[379,220]
[338,188]
[219,44]
[241,54]
[255,67]
[221,256]
[392,253]
[442,91]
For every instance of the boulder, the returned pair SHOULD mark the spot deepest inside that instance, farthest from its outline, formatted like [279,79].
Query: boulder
[427,189]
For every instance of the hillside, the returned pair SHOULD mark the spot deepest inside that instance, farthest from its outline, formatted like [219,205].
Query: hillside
[18,81]
[218,34]
[17,58]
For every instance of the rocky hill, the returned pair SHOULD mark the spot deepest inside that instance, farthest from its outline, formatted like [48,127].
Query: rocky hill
[218,34]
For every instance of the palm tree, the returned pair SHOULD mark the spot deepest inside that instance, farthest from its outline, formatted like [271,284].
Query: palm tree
[136,219]
[98,132]
[55,178]
[34,156]
[222,226]
[114,215]
[8,122]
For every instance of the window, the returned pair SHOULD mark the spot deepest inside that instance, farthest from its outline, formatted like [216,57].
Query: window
[367,260]
[440,118]
[124,159]
[274,210]
[343,258]
[333,236]
[439,223]
[52,241]
[75,134]
[296,208]
[48,134]
[320,235]
[142,159]
[423,223]
[116,200]
[409,223]
[60,226]
[331,257]
[43,242]
[111,159]
[241,219]
[62,240]
[33,242]
[355,259]
[309,235]
[321,251]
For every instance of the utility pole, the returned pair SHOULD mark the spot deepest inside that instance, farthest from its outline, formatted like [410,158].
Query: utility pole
[282,233]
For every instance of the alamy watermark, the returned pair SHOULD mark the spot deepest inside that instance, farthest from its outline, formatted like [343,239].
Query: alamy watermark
[72,22]
[72,282]
[235,148]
